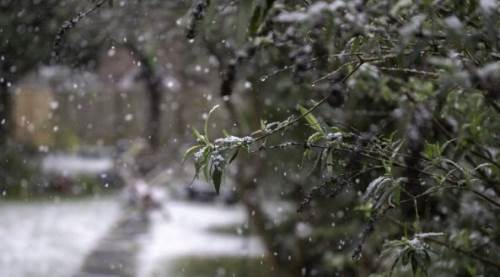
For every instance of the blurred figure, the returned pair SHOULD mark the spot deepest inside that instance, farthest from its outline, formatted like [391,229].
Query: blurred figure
[144,198]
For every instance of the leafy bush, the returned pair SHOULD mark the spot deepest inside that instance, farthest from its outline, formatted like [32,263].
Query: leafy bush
[394,105]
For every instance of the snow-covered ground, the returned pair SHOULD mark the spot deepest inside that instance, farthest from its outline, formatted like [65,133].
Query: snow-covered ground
[185,231]
[47,238]
[72,164]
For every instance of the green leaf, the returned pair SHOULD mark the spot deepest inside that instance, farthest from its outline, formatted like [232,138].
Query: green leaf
[217,178]
[445,145]
[255,20]
[405,259]
[335,129]
[258,16]
[396,194]
[270,3]
[202,161]
[315,137]
[263,124]
[307,155]
[390,164]
[357,42]
[394,265]
[315,166]
[311,119]
[427,258]
[206,121]
[199,137]
[431,150]
[206,170]
[191,151]
[414,264]
[234,155]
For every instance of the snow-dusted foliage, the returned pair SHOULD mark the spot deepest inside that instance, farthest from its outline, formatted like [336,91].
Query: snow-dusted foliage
[393,106]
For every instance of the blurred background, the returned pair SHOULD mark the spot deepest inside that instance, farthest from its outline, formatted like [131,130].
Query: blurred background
[99,99]
[91,175]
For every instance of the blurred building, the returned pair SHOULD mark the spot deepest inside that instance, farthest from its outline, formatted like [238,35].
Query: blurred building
[63,108]
[32,114]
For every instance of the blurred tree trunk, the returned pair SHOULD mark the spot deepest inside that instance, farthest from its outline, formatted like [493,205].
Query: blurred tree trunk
[153,126]
[153,87]
[248,169]
[5,110]
[118,116]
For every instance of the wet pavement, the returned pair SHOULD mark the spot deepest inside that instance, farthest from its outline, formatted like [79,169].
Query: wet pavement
[116,252]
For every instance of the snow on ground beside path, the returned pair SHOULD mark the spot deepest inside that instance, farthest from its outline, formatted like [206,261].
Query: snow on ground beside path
[47,238]
[185,232]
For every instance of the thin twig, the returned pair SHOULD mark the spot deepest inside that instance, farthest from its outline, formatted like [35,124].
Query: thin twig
[451,247]
[410,71]
[68,25]
[395,163]
[319,103]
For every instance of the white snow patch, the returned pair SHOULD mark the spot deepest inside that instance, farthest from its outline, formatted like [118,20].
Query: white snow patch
[71,165]
[488,5]
[186,233]
[43,239]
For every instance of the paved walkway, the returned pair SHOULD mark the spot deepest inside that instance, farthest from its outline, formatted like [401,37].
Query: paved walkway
[115,254]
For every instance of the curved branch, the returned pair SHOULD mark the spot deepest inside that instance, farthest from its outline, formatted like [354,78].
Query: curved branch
[68,25]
